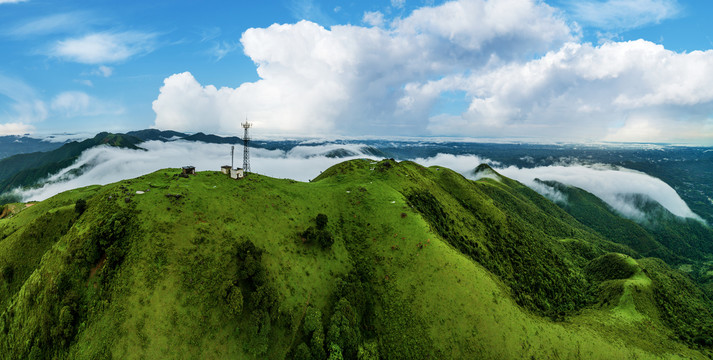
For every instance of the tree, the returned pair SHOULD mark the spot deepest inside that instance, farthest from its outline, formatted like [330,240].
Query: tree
[317,345]
[302,352]
[368,351]
[335,352]
[344,328]
[313,320]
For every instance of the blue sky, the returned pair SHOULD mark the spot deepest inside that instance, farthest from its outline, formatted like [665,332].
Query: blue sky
[525,69]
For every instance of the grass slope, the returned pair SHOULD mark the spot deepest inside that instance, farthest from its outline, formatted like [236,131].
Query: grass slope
[423,264]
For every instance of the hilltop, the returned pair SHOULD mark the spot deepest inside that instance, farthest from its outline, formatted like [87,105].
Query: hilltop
[370,260]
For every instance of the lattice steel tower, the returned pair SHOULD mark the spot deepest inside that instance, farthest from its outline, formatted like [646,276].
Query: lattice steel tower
[246,146]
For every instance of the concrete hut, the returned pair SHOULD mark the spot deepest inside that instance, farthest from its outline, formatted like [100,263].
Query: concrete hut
[237,173]
[225,169]
[188,170]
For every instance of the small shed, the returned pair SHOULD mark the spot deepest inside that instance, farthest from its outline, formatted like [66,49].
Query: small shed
[188,170]
[237,173]
[225,169]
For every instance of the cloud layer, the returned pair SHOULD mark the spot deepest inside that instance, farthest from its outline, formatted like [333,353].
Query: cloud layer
[512,68]
[104,165]
[612,185]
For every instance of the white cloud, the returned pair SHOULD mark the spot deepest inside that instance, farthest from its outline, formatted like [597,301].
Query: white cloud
[463,164]
[16,129]
[85,82]
[612,185]
[351,79]
[109,164]
[106,164]
[373,18]
[517,63]
[104,47]
[220,49]
[11,1]
[623,14]
[26,106]
[77,103]
[56,23]
[618,91]
[398,3]
[103,70]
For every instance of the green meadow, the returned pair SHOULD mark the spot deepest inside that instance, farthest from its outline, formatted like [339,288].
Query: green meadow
[370,260]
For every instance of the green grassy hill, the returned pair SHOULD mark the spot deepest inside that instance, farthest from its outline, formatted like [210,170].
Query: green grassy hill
[371,260]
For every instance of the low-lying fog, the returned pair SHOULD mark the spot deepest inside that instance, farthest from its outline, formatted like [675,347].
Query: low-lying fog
[104,165]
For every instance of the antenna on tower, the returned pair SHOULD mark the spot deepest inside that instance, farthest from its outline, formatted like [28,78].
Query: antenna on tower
[246,148]
[232,158]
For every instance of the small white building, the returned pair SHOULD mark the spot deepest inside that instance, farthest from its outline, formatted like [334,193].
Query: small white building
[225,169]
[237,173]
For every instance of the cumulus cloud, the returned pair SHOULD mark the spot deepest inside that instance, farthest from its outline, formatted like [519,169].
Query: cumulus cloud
[104,47]
[618,91]
[398,3]
[518,63]
[351,79]
[623,14]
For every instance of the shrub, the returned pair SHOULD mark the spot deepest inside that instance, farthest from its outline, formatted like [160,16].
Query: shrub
[80,206]
[235,300]
[321,221]
[8,273]
[325,239]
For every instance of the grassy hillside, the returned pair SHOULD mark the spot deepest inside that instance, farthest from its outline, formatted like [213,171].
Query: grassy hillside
[370,260]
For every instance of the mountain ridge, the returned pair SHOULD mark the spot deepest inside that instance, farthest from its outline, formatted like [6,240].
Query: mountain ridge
[422,263]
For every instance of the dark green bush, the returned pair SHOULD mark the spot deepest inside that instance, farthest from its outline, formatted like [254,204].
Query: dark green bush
[321,221]
[80,206]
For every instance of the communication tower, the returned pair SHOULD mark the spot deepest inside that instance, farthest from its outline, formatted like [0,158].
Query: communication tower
[232,158]
[246,147]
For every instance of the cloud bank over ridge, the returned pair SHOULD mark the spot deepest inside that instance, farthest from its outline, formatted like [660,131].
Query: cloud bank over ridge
[103,165]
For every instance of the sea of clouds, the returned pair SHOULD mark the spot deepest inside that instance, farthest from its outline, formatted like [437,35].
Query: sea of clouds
[104,164]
